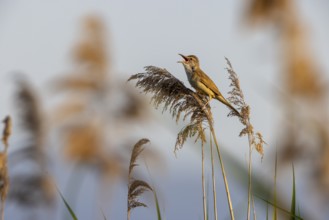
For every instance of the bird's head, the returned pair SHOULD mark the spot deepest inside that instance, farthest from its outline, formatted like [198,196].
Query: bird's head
[190,62]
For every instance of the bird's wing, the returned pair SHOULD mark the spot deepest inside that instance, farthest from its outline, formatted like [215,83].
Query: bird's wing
[204,79]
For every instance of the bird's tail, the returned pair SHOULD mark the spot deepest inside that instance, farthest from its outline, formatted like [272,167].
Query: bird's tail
[225,102]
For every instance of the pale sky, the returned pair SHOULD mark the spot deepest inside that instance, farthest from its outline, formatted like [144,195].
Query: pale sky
[36,38]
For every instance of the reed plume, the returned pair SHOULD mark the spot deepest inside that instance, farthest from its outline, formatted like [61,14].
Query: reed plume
[255,139]
[95,115]
[237,98]
[181,101]
[86,115]
[175,97]
[35,187]
[266,11]
[136,187]
[30,114]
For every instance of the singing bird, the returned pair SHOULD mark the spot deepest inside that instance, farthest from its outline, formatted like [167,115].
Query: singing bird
[201,82]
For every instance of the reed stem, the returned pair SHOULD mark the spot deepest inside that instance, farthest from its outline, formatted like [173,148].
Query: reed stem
[213,179]
[250,140]
[249,179]
[204,186]
[212,130]
[2,210]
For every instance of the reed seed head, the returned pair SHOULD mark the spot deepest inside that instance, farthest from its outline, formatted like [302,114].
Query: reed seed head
[170,92]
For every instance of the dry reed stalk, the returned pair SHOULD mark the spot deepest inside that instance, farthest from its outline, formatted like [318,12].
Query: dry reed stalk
[168,90]
[253,207]
[204,196]
[4,181]
[4,178]
[254,139]
[213,179]
[228,195]
[212,130]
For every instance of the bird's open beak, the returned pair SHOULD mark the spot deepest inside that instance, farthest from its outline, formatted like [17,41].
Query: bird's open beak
[184,57]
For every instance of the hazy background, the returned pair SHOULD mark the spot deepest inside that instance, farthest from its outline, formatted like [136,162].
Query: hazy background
[37,39]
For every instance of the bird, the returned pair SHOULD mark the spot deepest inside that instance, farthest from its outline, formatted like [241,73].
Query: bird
[201,82]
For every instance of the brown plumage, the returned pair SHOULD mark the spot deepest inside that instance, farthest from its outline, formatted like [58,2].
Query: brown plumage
[201,82]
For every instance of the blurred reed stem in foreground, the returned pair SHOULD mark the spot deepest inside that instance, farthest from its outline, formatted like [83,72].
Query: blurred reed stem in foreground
[4,178]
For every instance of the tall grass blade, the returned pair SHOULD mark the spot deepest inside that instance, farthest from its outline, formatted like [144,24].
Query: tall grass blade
[280,208]
[74,217]
[74,185]
[293,198]
[103,214]
[157,205]
[156,200]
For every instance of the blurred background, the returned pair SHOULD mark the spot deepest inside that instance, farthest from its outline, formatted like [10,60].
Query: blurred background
[64,67]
